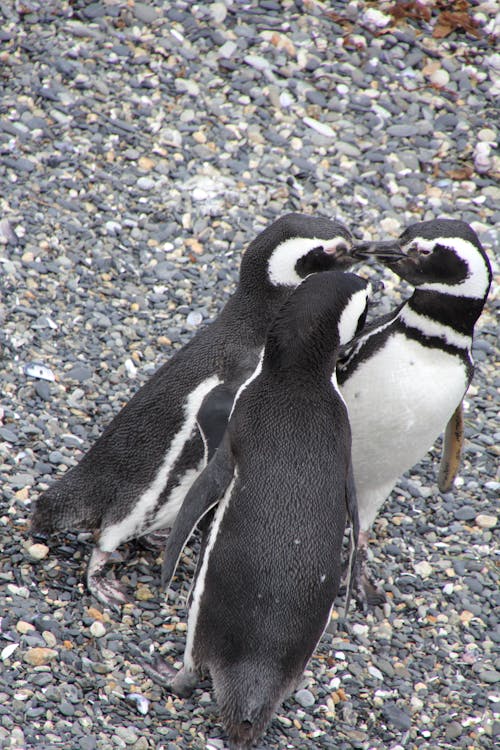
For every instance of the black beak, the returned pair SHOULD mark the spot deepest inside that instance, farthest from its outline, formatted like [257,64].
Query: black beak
[389,251]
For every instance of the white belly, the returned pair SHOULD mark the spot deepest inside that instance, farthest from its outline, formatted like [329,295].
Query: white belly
[399,402]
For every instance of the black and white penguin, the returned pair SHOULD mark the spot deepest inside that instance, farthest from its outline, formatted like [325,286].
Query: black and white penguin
[133,480]
[405,376]
[282,481]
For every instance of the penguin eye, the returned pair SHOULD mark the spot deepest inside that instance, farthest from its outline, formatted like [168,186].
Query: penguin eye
[417,249]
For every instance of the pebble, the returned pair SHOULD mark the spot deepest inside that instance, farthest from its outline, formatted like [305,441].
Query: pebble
[39,656]
[486,521]
[305,698]
[38,551]
[423,569]
[97,629]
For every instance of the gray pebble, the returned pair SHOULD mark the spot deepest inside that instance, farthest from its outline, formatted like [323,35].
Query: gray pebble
[305,698]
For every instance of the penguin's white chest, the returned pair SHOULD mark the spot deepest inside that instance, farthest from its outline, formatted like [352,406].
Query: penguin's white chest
[399,402]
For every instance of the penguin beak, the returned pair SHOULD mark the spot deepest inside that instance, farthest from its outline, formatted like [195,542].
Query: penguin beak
[389,251]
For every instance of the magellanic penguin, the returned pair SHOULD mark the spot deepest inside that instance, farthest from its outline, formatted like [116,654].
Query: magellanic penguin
[133,479]
[282,480]
[405,376]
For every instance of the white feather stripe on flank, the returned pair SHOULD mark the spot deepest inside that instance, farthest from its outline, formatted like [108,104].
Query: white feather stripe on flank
[281,265]
[130,526]
[200,581]
[430,327]
[477,281]
[351,314]
[166,515]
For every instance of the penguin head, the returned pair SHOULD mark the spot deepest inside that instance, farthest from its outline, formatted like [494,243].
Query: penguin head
[293,247]
[442,255]
[321,314]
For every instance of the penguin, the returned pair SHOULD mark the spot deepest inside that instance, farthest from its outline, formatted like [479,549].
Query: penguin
[405,376]
[281,483]
[134,478]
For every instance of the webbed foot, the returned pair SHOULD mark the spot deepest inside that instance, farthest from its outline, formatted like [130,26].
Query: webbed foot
[366,593]
[155,540]
[181,683]
[108,590]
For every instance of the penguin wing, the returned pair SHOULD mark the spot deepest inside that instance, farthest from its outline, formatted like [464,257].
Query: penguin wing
[352,512]
[203,495]
[452,450]
[213,416]
[215,410]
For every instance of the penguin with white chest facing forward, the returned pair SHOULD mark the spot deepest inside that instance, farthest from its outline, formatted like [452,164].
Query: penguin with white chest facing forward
[282,481]
[405,376]
[134,478]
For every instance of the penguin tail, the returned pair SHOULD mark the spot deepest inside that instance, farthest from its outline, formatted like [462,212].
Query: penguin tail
[247,695]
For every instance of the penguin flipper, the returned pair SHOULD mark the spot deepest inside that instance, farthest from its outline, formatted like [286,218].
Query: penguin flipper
[213,416]
[352,512]
[452,450]
[203,495]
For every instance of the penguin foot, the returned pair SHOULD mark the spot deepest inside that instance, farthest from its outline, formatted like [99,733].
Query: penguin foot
[365,592]
[181,683]
[108,590]
[155,540]
[184,683]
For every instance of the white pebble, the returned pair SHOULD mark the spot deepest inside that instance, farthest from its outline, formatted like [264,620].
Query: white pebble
[391,226]
[359,629]
[37,551]
[145,183]
[320,127]
[130,368]
[194,319]
[423,569]
[97,629]
[440,77]
[375,673]
[8,651]
[375,18]
[228,49]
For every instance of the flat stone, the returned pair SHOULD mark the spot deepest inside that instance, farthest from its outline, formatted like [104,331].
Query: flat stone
[396,716]
[305,698]
[39,656]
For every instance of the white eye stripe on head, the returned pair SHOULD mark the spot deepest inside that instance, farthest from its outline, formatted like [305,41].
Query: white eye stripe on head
[476,282]
[281,264]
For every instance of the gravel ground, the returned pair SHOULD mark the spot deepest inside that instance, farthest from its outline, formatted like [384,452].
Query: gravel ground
[142,145]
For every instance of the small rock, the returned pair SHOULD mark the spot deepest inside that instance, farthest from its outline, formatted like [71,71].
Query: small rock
[396,716]
[146,183]
[39,656]
[485,521]
[490,676]
[320,127]
[144,12]
[423,569]
[24,627]
[453,730]
[305,698]
[440,77]
[38,551]
[97,629]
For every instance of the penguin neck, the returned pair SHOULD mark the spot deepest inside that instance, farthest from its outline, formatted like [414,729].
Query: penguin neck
[256,307]
[304,365]
[436,315]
